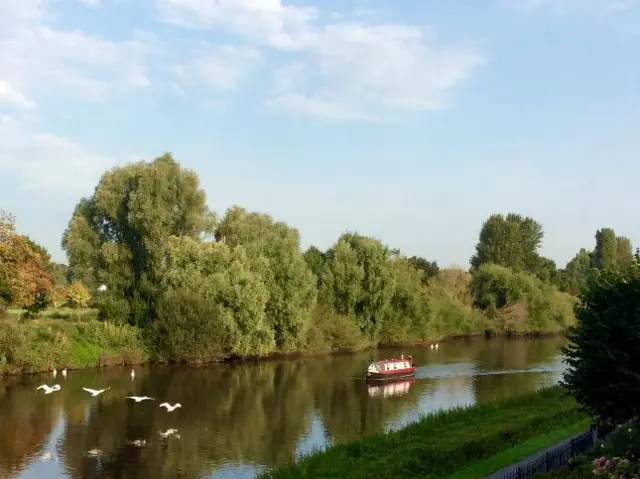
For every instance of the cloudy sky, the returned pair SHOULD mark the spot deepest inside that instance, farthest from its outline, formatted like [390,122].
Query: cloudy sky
[408,120]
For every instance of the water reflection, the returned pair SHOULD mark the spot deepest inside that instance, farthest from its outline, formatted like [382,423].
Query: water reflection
[395,388]
[239,419]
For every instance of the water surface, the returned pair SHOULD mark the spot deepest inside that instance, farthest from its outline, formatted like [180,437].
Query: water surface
[238,419]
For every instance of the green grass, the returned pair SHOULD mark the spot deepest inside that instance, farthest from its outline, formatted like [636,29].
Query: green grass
[440,444]
[34,345]
[59,313]
[516,453]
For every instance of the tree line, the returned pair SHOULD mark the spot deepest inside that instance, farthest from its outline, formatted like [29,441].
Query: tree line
[202,286]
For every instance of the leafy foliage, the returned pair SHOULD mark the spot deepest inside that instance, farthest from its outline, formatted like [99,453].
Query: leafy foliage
[604,352]
[119,235]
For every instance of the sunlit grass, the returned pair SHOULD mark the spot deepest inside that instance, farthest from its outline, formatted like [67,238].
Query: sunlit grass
[440,444]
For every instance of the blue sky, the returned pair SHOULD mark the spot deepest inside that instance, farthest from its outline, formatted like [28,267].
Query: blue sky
[411,121]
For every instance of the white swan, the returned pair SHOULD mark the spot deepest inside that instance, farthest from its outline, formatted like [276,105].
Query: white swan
[170,432]
[93,452]
[138,442]
[49,389]
[169,407]
[95,392]
[133,374]
[64,372]
[140,398]
[55,372]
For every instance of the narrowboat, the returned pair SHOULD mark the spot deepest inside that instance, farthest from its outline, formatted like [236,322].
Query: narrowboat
[388,369]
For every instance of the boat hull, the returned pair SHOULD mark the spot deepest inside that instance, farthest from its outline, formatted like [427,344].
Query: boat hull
[391,375]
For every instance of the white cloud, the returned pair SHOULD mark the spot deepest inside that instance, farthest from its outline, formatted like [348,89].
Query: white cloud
[350,69]
[42,161]
[586,7]
[39,60]
[221,67]
[11,95]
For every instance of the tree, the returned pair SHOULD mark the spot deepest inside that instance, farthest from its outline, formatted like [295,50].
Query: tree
[78,295]
[315,259]
[120,234]
[429,268]
[24,279]
[226,282]
[624,252]
[290,282]
[7,225]
[577,272]
[511,241]
[604,350]
[358,281]
[605,253]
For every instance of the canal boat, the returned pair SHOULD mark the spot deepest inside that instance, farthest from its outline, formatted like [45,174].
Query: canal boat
[391,369]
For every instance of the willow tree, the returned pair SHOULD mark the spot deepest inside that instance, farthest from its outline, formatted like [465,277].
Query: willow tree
[119,235]
[289,280]
[358,280]
[213,303]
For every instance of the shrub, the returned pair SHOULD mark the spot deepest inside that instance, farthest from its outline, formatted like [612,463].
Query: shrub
[604,349]
[187,328]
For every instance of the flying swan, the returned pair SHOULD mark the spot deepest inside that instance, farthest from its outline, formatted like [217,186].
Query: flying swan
[95,392]
[169,407]
[49,389]
[140,398]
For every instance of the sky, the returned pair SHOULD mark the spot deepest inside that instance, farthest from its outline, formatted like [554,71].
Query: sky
[411,121]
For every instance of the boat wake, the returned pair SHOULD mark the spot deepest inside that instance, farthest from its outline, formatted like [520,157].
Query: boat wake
[537,369]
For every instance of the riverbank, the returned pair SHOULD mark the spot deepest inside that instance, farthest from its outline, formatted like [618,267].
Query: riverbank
[38,345]
[440,444]
[76,340]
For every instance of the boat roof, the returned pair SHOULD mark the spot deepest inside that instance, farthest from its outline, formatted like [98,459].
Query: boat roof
[394,360]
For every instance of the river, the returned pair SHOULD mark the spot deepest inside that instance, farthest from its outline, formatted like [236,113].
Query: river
[237,419]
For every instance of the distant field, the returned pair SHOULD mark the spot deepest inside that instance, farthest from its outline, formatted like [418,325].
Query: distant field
[59,313]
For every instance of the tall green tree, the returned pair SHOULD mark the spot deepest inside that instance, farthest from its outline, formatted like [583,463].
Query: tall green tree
[624,252]
[291,284]
[511,241]
[358,280]
[120,234]
[315,259]
[214,301]
[604,350]
[577,272]
[605,254]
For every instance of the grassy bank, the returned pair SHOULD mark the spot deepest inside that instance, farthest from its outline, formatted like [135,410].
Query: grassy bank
[440,444]
[28,346]
[484,467]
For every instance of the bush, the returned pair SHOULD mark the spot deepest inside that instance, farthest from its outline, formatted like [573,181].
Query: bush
[520,303]
[604,349]
[112,309]
[330,331]
[188,328]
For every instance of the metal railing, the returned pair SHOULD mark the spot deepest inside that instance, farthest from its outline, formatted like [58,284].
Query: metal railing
[558,456]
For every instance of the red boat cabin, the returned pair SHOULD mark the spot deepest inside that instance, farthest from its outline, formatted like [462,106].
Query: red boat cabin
[391,369]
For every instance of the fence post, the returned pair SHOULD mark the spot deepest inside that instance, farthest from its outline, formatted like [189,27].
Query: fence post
[548,461]
[573,446]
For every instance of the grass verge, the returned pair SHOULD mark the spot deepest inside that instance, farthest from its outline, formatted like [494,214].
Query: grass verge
[440,444]
[516,453]
[28,346]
